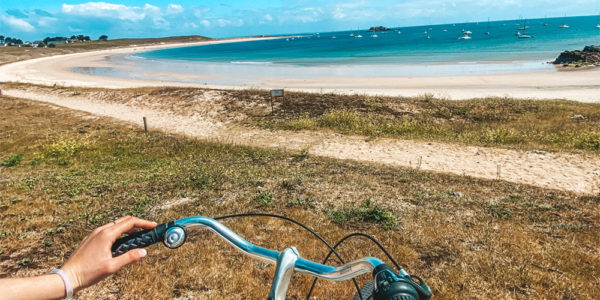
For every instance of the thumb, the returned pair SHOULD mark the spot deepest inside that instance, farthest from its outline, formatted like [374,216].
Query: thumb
[129,257]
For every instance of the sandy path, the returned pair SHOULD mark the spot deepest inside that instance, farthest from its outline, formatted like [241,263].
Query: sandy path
[574,172]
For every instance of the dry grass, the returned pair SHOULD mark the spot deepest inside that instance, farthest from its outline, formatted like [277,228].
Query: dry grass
[14,54]
[498,122]
[467,238]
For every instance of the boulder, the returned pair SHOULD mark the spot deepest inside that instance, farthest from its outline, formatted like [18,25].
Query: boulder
[590,55]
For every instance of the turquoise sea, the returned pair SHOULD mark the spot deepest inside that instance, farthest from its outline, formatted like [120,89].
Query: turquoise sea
[406,45]
[436,50]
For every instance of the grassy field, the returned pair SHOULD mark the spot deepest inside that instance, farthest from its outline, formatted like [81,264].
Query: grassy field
[13,54]
[64,173]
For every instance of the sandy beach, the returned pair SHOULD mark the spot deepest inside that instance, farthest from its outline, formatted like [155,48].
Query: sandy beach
[578,85]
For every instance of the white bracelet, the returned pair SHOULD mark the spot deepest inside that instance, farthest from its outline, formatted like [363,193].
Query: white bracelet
[68,286]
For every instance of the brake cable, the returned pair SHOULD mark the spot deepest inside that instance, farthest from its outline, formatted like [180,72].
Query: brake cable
[331,249]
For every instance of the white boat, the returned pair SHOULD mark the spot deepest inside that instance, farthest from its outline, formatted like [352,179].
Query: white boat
[564,24]
[333,37]
[428,37]
[465,37]
[598,26]
[467,31]
[358,36]
[445,30]
[374,36]
[352,34]
[523,35]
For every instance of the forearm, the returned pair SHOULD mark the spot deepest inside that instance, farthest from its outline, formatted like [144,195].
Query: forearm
[44,287]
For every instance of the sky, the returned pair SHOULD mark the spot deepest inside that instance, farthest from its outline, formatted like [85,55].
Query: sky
[36,19]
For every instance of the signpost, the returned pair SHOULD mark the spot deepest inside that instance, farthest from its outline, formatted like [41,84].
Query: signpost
[276,94]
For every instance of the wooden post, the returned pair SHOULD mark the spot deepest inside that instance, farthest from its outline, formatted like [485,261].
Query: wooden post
[145,126]
[272,109]
[498,171]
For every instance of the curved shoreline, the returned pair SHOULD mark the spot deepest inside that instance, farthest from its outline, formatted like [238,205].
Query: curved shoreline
[579,86]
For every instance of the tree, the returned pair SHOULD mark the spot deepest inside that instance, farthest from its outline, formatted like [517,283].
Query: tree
[103,38]
[51,46]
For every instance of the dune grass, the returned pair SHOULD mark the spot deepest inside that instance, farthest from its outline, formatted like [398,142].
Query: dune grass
[468,238]
[524,124]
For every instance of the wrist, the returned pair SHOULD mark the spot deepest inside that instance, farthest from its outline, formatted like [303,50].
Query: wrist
[66,283]
[73,278]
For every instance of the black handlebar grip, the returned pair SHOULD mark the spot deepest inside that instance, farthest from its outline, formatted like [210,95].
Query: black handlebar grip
[139,239]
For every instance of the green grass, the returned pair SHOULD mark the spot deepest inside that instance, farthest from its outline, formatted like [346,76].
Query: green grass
[505,122]
[368,211]
[12,161]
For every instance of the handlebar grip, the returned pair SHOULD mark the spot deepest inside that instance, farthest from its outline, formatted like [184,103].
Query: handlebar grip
[140,239]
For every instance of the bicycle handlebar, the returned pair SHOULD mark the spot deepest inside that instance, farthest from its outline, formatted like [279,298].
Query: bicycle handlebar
[173,235]
[388,285]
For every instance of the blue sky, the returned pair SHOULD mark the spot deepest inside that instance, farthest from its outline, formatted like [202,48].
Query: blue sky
[35,19]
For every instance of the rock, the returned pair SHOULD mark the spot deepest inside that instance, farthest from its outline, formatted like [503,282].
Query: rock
[379,28]
[590,55]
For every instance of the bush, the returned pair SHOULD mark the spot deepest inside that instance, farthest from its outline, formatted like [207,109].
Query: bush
[588,141]
[13,160]
[368,211]
[264,199]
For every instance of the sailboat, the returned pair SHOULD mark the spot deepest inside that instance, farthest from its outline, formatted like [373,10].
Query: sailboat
[598,26]
[487,31]
[524,27]
[465,35]
[564,25]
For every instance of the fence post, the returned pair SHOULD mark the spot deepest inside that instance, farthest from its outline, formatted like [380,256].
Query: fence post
[145,126]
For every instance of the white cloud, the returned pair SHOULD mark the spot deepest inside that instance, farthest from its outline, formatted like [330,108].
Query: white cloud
[231,22]
[46,21]
[173,9]
[107,10]
[200,12]
[17,24]
[304,15]
[205,23]
[191,25]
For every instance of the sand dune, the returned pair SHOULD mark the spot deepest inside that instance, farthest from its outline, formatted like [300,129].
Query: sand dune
[573,172]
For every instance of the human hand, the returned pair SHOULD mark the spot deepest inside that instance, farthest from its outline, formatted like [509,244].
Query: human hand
[93,260]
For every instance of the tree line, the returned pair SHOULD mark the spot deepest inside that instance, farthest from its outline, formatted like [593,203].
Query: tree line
[51,40]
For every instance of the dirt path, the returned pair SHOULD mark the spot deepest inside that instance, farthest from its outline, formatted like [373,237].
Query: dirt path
[574,172]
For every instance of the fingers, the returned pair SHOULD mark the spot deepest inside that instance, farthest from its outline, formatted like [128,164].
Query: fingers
[129,257]
[127,224]
[119,220]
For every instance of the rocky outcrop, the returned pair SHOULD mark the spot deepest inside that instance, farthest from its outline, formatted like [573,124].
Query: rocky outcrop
[379,28]
[590,55]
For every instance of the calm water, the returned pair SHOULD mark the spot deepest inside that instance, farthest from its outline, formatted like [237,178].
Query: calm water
[399,52]
[408,45]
